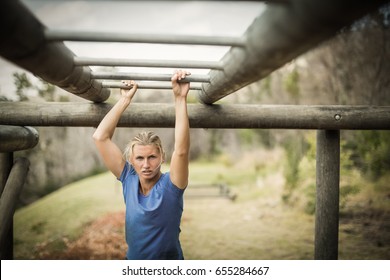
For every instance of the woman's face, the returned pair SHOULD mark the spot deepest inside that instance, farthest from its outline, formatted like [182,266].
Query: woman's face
[146,160]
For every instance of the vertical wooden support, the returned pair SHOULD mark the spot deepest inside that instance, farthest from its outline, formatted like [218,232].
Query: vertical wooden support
[6,161]
[327,197]
[9,198]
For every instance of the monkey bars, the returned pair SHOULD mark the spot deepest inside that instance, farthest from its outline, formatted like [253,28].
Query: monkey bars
[285,30]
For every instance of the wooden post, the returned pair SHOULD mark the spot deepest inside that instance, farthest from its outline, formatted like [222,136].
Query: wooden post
[8,200]
[6,160]
[327,197]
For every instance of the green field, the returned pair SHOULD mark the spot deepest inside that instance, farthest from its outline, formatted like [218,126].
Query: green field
[256,225]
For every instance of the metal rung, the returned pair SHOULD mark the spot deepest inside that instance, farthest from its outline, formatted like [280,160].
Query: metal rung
[86,61]
[81,36]
[146,85]
[147,76]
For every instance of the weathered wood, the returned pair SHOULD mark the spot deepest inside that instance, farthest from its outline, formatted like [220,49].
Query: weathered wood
[278,35]
[327,195]
[9,197]
[23,43]
[6,162]
[201,116]
[16,138]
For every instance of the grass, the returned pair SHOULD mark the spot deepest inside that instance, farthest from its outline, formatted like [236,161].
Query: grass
[62,215]
[257,225]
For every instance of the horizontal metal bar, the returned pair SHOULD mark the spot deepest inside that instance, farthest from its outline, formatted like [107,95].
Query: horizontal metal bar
[146,76]
[200,116]
[88,36]
[182,64]
[142,85]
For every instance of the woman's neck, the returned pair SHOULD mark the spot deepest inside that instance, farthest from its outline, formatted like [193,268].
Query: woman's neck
[147,184]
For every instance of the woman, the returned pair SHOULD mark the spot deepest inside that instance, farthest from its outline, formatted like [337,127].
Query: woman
[154,201]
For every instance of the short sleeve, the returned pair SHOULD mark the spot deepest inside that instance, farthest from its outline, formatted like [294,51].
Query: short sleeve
[128,169]
[173,188]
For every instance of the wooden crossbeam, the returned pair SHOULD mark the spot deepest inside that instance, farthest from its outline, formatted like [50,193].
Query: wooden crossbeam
[17,138]
[201,116]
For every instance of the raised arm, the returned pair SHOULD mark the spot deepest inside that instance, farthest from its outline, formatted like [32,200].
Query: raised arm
[180,158]
[110,152]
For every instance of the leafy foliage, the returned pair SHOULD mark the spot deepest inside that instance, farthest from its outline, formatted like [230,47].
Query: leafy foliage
[22,83]
[374,149]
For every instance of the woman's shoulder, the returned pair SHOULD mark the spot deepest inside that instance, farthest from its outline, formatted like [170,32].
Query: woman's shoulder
[128,170]
[166,180]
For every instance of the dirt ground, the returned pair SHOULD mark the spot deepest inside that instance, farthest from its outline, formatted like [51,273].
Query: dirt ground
[101,240]
[362,236]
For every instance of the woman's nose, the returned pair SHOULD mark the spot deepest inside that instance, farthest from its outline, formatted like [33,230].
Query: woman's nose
[146,163]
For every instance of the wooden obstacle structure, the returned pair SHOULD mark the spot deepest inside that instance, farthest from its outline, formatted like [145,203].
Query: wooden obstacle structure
[283,31]
[209,191]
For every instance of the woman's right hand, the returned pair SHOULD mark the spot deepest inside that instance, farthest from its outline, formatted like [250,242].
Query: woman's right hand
[129,93]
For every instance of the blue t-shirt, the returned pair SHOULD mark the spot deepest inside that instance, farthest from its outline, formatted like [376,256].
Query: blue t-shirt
[152,221]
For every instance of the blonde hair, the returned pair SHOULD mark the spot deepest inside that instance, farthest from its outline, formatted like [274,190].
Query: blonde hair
[143,138]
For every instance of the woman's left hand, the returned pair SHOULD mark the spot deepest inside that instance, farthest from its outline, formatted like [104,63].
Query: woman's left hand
[180,89]
[129,93]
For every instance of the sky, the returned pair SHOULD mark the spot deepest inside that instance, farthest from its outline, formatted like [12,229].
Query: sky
[210,18]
